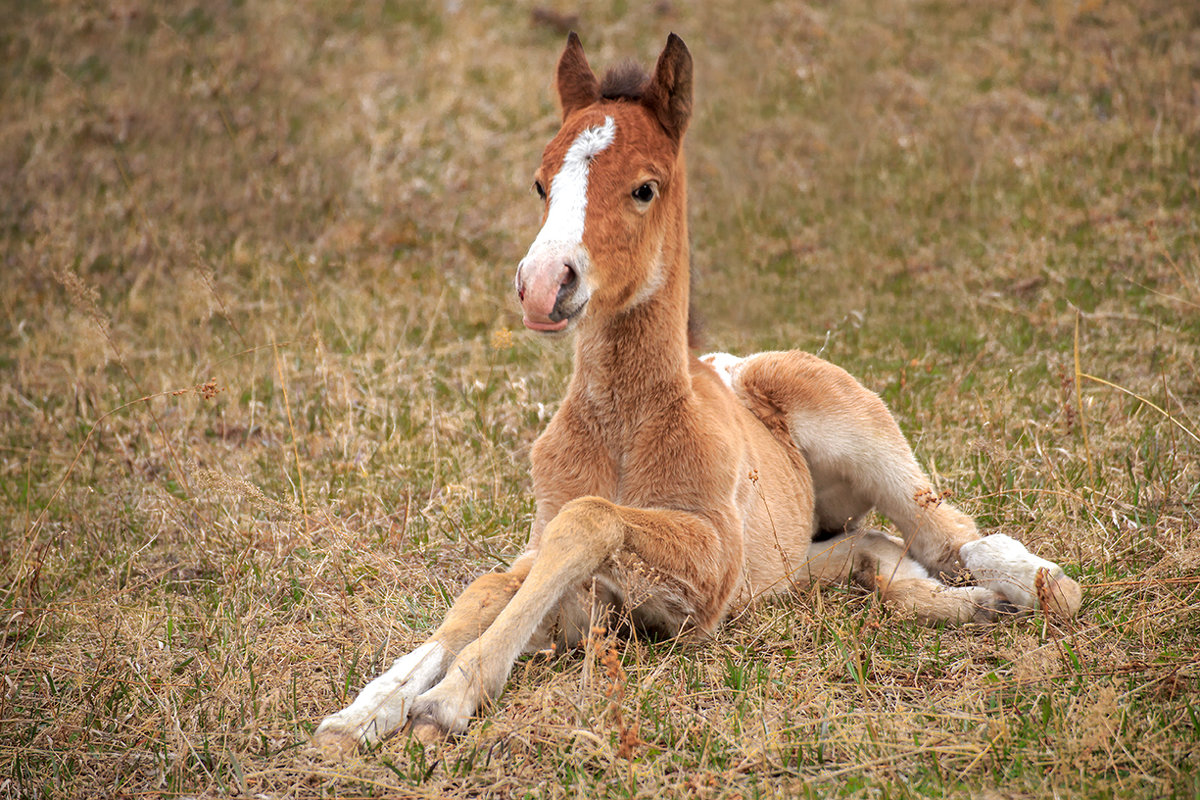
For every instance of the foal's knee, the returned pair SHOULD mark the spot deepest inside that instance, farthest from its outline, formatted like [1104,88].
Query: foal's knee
[490,589]
[584,526]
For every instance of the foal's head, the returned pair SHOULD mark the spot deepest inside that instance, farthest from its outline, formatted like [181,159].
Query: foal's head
[612,181]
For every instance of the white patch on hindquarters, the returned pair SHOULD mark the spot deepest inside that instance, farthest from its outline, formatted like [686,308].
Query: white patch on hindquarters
[385,703]
[724,364]
[1002,564]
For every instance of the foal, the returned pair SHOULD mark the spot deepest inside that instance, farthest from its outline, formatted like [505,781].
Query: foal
[670,487]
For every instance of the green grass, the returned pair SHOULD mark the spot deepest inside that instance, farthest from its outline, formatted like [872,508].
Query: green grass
[314,211]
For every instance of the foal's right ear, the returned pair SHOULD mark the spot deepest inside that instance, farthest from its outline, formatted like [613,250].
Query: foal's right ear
[669,93]
[577,84]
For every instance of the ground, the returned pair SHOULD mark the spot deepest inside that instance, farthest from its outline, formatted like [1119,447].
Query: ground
[265,406]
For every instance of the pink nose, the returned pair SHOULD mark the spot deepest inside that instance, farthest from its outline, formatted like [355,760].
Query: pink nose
[541,287]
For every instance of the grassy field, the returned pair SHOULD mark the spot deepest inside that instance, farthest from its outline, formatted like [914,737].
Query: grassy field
[265,406]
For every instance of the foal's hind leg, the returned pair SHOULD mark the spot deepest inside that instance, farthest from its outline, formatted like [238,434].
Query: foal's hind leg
[875,560]
[384,705]
[860,460]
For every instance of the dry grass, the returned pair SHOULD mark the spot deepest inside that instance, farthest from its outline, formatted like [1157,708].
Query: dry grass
[261,418]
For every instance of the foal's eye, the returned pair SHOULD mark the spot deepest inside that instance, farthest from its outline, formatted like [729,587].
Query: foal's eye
[644,193]
[541,190]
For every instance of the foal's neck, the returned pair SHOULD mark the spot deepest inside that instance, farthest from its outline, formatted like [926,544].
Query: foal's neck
[636,365]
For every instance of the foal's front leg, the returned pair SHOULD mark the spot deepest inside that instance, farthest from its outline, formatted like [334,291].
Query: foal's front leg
[384,705]
[575,546]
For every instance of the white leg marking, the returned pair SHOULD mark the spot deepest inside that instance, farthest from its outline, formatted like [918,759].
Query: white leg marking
[452,702]
[1002,564]
[479,672]
[384,704]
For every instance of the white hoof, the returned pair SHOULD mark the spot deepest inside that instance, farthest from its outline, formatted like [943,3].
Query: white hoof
[384,705]
[445,710]
[335,738]
[1002,564]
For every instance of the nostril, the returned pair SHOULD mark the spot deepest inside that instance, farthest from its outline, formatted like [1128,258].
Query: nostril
[568,276]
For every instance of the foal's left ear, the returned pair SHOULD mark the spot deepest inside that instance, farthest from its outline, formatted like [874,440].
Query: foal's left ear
[669,95]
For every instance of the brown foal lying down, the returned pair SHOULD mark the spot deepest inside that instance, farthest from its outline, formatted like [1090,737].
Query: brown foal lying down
[705,481]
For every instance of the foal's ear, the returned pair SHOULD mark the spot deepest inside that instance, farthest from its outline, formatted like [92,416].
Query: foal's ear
[577,84]
[669,94]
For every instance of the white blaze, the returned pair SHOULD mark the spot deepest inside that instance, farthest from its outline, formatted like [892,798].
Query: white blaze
[568,190]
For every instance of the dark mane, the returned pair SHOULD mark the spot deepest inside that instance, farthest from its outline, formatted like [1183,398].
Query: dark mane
[626,81]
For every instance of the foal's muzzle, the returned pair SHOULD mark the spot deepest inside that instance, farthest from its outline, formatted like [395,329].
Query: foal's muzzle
[550,289]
